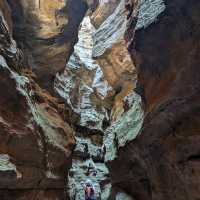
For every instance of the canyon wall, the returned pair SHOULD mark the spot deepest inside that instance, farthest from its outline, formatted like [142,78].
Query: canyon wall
[35,141]
[149,139]
[47,31]
[162,163]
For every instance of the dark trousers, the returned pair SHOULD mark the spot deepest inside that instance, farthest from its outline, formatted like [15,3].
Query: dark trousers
[89,198]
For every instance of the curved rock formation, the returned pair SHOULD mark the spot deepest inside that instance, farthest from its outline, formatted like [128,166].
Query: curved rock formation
[103,11]
[47,31]
[112,55]
[163,161]
[150,143]
[35,142]
[82,84]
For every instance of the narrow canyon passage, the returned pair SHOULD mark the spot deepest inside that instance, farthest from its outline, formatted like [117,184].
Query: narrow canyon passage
[88,152]
[98,86]
[81,78]
[105,90]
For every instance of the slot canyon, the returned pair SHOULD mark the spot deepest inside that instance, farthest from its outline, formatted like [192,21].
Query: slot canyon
[100,90]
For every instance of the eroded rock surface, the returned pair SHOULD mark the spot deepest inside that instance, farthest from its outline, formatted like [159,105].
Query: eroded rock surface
[157,158]
[103,11]
[126,128]
[163,161]
[47,31]
[89,90]
[35,142]
[112,55]
[82,84]
[84,89]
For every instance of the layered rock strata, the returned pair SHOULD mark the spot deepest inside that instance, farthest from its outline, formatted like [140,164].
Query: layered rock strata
[163,161]
[103,11]
[97,94]
[82,84]
[35,142]
[112,55]
[47,31]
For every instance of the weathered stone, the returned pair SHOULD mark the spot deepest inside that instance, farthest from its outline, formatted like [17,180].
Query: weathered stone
[35,142]
[47,31]
[103,11]
[82,84]
[125,129]
[113,57]
[163,161]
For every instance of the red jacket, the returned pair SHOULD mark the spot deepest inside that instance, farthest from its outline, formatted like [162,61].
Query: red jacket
[89,191]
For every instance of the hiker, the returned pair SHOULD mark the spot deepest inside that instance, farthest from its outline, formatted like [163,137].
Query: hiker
[89,190]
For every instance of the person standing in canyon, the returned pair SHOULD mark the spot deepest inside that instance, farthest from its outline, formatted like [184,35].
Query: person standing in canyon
[89,190]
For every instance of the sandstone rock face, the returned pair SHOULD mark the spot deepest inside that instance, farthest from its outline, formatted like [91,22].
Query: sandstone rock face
[82,84]
[84,89]
[163,161]
[35,142]
[97,95]
[113,57]
[150,143]
[103,11]
[47,31]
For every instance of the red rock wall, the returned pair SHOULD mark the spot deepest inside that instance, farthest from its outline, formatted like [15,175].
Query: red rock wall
[35,140]
[47,31]
[163,162]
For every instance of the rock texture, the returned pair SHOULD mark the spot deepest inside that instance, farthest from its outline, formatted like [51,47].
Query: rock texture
[82,84]
[163,161]
[84,88]
[125,128]
[100,93]
[103,11]
[35,142]
[150,143]
[47,31]
[112,55]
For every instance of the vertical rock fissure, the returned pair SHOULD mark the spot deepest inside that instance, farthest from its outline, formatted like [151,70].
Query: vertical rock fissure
[98,86]
[81,79]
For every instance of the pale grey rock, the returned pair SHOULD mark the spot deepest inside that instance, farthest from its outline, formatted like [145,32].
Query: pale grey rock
[149,10]
[123,196]
[8,170]
[111,30]
[78,176]
[125,129]
[86,149]
[82,78]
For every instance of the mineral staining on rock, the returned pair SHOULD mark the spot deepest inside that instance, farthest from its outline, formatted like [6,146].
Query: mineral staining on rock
[125,129]
[86,85]
[113,57]
[83,79]
[163,161]
[149,10]
[35,142]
